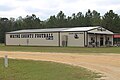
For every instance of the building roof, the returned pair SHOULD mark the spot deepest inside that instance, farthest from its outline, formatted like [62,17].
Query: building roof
[74,29]
[54,30]
[80,28]
[39,30]
[102,32]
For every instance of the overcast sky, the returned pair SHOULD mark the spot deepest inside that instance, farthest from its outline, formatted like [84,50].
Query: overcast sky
[45,8]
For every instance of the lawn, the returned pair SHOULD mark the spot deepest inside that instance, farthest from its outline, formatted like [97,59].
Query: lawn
[60,49]
[43,70]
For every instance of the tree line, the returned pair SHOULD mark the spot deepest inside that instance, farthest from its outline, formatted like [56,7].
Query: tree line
[109,20]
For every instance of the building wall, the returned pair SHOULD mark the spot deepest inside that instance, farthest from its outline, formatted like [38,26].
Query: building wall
[73,38]
[80,39]
[37,39]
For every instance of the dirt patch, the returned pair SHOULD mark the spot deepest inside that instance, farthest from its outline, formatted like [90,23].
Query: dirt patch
[108,64]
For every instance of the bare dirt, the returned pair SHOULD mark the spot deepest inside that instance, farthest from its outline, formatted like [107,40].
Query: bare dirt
[107,64]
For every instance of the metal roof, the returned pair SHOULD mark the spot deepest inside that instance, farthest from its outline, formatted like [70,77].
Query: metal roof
[55,30]
[39,30]
[101,32]
[81,28]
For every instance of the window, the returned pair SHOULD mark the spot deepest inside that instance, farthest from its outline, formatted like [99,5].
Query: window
[49,37]
[92,39]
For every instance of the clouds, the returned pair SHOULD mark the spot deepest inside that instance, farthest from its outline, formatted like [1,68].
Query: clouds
[46,8]
[6,8]
[108,2]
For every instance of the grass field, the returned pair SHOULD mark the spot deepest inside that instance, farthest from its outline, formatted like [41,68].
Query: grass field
[61,49]
[42,70]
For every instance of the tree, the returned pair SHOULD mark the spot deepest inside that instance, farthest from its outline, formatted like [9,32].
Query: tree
[73,20]
[96,18]
[30,22]
[51,22]
[80,19]
[61,19]
[57,21]
[111,21]
[77,19]
[69,21]
[4,27]
[88,17]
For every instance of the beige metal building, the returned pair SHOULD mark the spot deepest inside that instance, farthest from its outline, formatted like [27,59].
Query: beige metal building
[77,36]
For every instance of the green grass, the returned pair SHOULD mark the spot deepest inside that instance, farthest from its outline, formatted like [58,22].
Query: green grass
[60,49]
[43,70]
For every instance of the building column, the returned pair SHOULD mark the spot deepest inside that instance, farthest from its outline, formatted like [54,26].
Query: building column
[96,40]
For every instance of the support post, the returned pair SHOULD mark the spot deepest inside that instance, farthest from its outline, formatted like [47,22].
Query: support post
[6,61]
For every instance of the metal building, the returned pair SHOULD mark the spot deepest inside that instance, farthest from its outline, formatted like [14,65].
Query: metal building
[116,39]
[77,36]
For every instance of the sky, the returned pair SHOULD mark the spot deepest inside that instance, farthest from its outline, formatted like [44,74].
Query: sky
[46,8]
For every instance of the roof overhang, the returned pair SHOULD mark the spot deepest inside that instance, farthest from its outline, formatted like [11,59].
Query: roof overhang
[101,33]
[116,36]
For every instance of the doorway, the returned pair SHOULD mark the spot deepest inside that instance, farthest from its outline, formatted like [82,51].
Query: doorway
[27,41]
[101,41]
[64,40]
